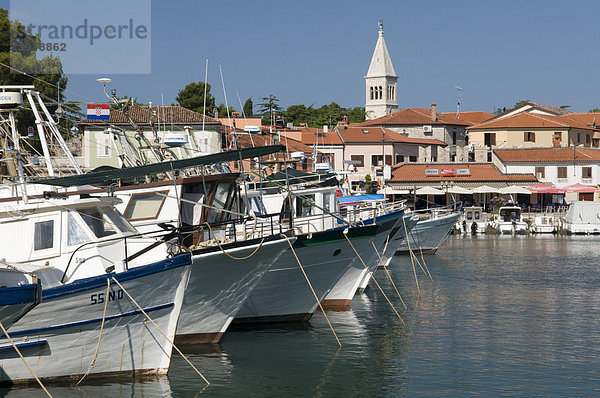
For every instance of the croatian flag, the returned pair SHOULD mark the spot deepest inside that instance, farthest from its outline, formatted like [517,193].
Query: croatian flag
[98,111]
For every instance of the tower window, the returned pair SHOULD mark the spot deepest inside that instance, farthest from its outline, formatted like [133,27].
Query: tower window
[371,92]
[380,92]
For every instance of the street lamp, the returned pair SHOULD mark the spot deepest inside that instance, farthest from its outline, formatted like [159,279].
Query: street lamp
[446,185]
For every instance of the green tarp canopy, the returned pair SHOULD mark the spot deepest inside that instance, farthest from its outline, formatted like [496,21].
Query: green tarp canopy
[297,176]
[98,177]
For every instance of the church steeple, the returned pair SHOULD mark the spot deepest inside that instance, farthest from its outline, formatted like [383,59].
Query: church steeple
[380,81]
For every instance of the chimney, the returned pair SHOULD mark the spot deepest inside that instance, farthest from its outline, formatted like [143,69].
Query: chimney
[433,113]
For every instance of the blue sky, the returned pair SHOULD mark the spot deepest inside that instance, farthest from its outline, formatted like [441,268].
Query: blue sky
[315,52]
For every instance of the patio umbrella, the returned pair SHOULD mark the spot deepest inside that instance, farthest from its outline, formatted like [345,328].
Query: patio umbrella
[513,189]
[485,189]
[459,190]
[581,188]
[544,188]
[392,191]
[429,191]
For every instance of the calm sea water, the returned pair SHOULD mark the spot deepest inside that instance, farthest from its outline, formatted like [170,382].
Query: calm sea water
[503,316]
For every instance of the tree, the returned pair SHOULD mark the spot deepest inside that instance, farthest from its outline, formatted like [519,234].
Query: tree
[594,110]
[18,50]
[269,108]
[248,108]
[192,98]
[222,110]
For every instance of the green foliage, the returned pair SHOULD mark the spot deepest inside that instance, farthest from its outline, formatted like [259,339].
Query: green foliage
[269,108]
[499,111]
[248,110]
[370,186]
[18,50]
[192,98]
[594,110]
[326,114]
[222,110]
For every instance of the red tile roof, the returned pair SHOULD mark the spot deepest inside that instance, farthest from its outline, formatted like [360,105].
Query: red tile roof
[142,114]
[365,134]
[480,172]
[313,136]
[591,119]
[525,120]
[255,140]
[471,117]
[550,155]
[415,116]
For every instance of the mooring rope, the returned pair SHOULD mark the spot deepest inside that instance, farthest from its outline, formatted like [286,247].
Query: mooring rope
[311,289]
[99,337]
[388,274]
[411,255]
[229,255]
[374,280]
[159,329]
[24,361]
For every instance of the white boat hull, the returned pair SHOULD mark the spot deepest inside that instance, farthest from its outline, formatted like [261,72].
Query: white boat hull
[341,294]
[58,338]
[219,286]
[511,228]
[428,235]
[394,240]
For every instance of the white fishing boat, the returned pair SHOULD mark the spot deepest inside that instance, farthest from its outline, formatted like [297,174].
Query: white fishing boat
[58,338]
[509,221]
[284,294]
[429,234]
[229,254]
[76,246]
[582,218]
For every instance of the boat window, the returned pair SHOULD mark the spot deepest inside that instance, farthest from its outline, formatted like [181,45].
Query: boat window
[304,206]
[145,206]
[97,223]
[76,235]
[256,206]
[327,201]
[219,202]
[118,220]
[469,215]
[43,235]
[477,216]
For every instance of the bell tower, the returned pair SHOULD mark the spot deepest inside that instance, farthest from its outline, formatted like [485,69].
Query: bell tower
[380,82]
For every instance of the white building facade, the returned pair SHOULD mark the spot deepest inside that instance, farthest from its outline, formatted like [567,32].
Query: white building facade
[381,91]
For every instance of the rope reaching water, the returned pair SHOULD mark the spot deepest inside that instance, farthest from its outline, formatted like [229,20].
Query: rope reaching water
[374,280]
[388,274]
[159,329]
[99,337]
[311,288]
[24,361]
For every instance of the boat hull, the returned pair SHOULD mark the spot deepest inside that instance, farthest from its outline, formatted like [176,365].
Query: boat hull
[16,301]
[341,294]
[283,294]
[394,240]
[58,338]
[428,235]
[219,286]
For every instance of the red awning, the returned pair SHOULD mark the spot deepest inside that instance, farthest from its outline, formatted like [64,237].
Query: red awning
[545,188]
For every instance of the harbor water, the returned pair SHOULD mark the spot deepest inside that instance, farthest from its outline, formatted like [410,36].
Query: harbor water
[503,316]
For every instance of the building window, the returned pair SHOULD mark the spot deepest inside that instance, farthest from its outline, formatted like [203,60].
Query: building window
[103,145]
[587,139]
[586,172]
[412,158]
[371,92]
[358,158]
[578,138]
[399,158]
[561,172]
[454,138]
[376,160]
[380,92]
[540,172]
[529,136]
